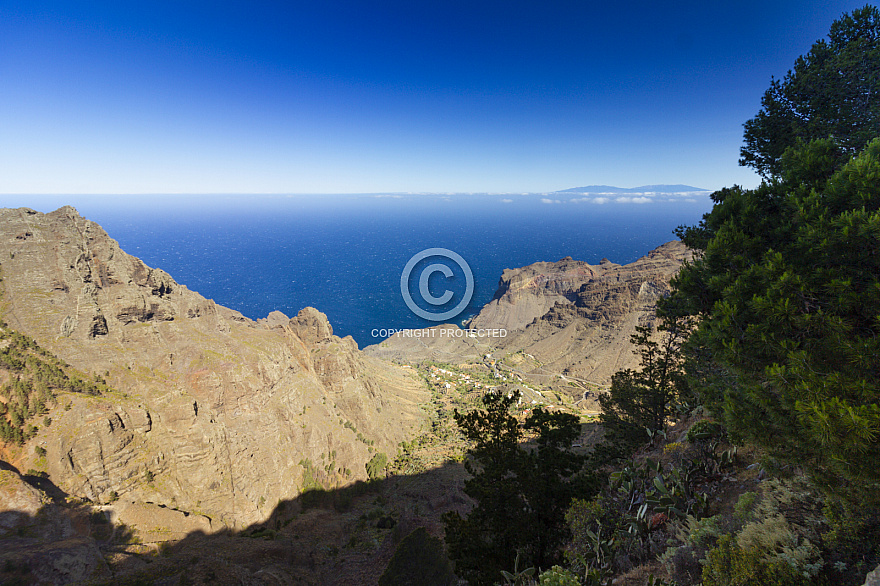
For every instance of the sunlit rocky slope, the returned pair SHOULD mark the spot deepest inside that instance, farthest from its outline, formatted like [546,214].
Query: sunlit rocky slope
[211,412]
[568,322]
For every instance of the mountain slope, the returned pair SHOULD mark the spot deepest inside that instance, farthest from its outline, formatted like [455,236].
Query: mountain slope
[212,412]
[568,322]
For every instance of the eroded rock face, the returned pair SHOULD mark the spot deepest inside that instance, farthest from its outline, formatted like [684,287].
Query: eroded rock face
[529,292]
[214,412]
[563,319]
[156,524]
[69,561]
[586,336]
[603,292]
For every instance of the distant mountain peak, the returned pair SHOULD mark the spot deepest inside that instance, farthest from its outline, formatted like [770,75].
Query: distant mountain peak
[642,189]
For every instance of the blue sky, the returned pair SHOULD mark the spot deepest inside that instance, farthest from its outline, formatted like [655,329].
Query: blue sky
[355,97]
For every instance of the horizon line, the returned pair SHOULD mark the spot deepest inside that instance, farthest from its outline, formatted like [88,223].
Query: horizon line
[307,193]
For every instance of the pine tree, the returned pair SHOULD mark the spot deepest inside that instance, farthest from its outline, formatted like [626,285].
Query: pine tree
[788,293]
[522,492]
[832,92]
[640,402]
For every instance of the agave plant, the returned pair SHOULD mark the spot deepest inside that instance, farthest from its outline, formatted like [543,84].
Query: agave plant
[518,577]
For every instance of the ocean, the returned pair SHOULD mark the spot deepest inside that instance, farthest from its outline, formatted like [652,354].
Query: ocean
[344,254]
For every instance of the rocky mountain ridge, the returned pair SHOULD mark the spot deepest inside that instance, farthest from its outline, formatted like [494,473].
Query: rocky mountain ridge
[213,413]
[566,320]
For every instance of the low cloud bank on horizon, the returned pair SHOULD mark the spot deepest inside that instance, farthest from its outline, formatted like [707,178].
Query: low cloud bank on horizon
[617,195]
[560,199]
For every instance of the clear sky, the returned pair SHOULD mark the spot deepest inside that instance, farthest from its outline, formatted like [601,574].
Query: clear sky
[330,96]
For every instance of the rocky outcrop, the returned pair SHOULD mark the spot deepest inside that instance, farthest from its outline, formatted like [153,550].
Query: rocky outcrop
[212,412]
[603,292]
[19,503]
[587,337]
[68,561]
[528,293]
[311,326]
[40,540]
[568,323]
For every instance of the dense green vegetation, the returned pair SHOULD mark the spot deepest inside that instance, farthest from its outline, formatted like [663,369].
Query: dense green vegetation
[787,284]
[787,291]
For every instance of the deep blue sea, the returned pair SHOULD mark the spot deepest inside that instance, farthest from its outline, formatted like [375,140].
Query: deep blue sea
[344,254]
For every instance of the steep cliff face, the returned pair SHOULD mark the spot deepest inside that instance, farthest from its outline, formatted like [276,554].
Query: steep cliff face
[527,293]
[213,412]
[564,319]
[586,335]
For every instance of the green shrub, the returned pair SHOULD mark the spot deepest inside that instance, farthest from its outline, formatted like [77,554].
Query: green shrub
[775,540]
[705,430]
[683,563]
[310,479]
[700,532]
[730,565]
[376,466]
[262,533]
[852,537]
[744,505]
[557,576]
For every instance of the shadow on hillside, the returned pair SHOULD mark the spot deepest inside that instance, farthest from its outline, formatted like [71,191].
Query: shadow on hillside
[42,483]
[339,536]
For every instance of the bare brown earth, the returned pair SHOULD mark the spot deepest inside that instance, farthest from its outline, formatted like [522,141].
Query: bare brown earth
[214,414]
[568,323]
